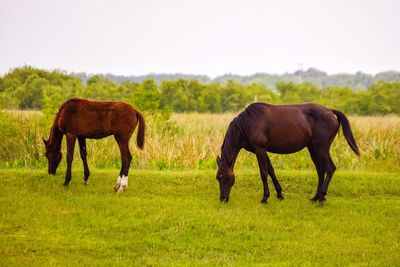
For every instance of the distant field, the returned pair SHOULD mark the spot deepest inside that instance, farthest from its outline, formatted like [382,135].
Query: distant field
[192,141]
[175,218]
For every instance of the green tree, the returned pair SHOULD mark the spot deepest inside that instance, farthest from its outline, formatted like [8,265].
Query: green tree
[101,88]
[298,93]
[211,98]
[147,97]
[342,98]
[384,98]
[53,98]
[31,92]
[261,93]
[173,95]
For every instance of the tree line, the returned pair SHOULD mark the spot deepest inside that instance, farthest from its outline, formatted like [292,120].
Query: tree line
[356,81]
[31,88]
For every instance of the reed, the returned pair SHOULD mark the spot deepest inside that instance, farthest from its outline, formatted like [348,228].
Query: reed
[192,141]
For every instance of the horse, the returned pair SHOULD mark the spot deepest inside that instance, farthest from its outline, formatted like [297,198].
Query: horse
[81,119]
[283,129]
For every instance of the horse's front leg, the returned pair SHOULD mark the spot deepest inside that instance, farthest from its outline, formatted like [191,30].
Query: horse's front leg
[70,156]
[271,173]
[82,148]
[263,166]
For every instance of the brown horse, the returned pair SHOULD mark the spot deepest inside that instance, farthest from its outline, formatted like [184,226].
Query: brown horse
[283,129]
[80,118]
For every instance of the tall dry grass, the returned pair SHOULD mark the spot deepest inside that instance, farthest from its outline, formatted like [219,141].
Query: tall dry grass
[192,141]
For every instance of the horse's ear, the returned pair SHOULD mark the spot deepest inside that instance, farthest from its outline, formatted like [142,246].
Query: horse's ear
[45,142]
[218,160]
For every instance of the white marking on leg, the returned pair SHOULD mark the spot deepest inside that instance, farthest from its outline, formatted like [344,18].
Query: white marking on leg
[124,180]
[124,183]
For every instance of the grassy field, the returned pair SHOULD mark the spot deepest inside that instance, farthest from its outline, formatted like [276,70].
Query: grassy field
[174,217]
[170,214]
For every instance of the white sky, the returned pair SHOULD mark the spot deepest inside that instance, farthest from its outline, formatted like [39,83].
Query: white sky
[200,37]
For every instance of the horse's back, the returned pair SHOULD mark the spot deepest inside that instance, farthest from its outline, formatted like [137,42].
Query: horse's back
[313,113]
[289,128]
[85,106]
[96,119]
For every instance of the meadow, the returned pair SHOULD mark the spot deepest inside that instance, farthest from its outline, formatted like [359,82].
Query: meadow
[170,213]
[175,218]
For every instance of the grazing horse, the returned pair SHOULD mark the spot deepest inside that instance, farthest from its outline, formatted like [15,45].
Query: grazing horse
[81,118]
[282,129]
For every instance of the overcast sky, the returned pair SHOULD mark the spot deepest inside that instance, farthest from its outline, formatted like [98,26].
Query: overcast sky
[201,37]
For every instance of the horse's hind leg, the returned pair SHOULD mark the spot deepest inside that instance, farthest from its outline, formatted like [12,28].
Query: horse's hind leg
[262,160]
[126,158]
[330,170]
[271,173]
[324,165]
[320,171]
[82,150]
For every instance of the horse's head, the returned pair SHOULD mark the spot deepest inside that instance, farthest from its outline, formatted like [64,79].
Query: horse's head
[226,179]
[53,157]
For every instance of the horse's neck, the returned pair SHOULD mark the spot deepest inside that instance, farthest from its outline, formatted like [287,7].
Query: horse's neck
[55,135]
[230,150]
[229,159]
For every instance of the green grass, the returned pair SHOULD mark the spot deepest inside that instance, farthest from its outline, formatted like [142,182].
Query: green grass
[171,218]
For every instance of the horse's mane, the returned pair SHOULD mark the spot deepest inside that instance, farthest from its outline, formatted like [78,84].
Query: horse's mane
[231,137]
[253,109]
[55,133]
[239,127]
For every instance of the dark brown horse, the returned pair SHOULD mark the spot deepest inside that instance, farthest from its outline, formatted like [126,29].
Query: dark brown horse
[80,118]
[283,129]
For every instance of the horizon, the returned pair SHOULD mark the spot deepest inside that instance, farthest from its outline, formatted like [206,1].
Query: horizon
[200,37]
[194,74]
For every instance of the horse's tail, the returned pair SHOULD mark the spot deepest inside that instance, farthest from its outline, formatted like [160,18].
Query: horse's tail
[142,127]
[348,134]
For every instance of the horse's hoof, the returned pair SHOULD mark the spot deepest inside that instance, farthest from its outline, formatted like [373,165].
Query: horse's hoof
[116,187]
[65,184]
[86,182]
[121,189]
[322,202]
[314,199]
[264,201]
[280,198]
